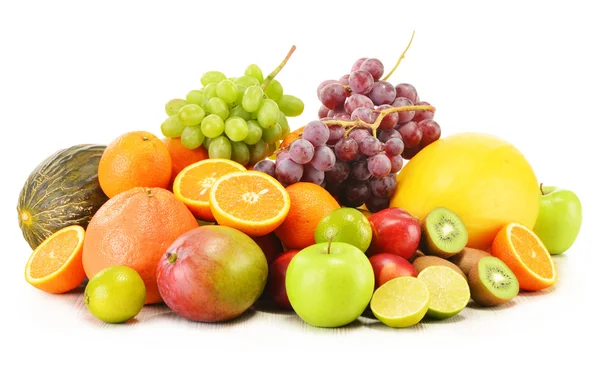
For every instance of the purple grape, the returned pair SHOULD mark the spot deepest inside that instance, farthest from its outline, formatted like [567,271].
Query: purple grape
[407,91]
[359,170]
[379,165]
[345,80]
[394,146]
[265,166]
[411,134]
[355,193]
[410,152]
[356,101]
[324,158]
[340,116]
[336,132]
[421,115]
[359,134]
[397,162]
[346,149]
[288,172]
[332,95]
[361,82]
[370,146]
[358,63]
[316,132]
[383,187]
[323,111]
[364,114]
[324,84]
[385,135]
[334,188]
[376,204]
[431,131]
[403,117]
[312,175]
[282,156]
[382,93]
[339,172]
[301,151]
[390,120]
[374,67]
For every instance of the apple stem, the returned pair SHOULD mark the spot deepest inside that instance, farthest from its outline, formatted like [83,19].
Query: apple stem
[401,57]
[329,245]
[274,73]
[171,257]
[541,189]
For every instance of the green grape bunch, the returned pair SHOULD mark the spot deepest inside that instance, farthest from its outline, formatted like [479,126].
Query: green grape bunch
[239,118]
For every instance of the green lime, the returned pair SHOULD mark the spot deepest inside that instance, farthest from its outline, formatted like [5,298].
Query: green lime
[449,291]
[401,302]
[346,225]
[115,294]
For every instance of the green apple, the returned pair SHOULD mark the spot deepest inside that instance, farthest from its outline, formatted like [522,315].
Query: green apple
[559,220]
[330,284]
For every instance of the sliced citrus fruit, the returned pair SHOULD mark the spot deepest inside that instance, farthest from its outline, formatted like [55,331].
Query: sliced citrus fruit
[401,302]
[449,291]
[525,254]
[192,184]
[250,201]
[55,266]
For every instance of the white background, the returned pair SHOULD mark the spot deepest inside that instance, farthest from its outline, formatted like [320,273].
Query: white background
[83,72]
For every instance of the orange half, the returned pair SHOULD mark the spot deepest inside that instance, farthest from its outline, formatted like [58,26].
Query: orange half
[250,201]
[56,266]
[525,254]
[193,183]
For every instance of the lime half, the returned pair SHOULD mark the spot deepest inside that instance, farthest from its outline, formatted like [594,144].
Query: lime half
[401,302]
[449,291]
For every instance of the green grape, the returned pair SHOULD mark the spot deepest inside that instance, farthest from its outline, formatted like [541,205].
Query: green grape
[253,98]
[191,114]
[212,126]
[274,90]
[219,148]
[268,114]
[290,105]
[247,81]
[255,71]
[195,97]
[192,137]
[174,105]
[227,90]
[172,127]
[258,152]
[206,142]
[236,128]
[219,107]
[271,148]
[285,126]
[255,115]
[239,111]
[272,134]
[208,92]
[254,132]
[212,77]
[240,94]
[233,78]
[240,152]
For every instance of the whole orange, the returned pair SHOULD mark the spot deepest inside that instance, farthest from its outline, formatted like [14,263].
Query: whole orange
[134,159]
[134,229]
[309,203]
[182,156]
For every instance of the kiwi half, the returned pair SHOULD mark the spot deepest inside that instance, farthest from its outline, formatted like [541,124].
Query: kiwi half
[417,254]
[467,258]
[424,261]
[491,282]
[443,233]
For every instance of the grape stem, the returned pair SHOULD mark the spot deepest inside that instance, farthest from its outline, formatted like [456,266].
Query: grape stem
[274,73]
[400,58]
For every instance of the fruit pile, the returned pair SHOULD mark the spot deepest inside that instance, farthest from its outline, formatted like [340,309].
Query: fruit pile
[232,210]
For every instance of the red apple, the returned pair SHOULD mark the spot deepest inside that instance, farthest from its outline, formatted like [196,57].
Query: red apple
[211,274]
[395,231]
[387,266]
[275,289]
[270,245]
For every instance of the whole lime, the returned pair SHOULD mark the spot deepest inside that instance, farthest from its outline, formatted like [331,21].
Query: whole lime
[346,225]
[115,294]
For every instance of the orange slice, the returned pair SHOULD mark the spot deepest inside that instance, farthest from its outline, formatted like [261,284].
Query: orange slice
[55,266]
[250,201]
[192,184]
[525,254]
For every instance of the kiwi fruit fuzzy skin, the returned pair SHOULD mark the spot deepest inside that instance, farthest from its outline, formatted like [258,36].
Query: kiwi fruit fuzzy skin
[425,261]
[467,258]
